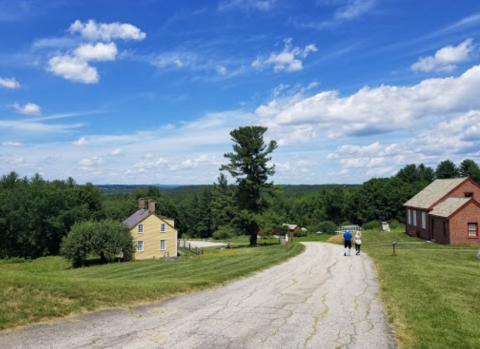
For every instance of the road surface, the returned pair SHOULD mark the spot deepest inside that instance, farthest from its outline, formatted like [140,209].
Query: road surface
[319,299]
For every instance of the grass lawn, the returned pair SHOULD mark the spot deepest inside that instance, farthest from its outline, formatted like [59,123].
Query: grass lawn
[431,297]
[48,288]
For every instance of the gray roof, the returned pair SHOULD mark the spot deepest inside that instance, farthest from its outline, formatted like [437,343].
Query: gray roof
[449,206]
[137,217]
[434,192]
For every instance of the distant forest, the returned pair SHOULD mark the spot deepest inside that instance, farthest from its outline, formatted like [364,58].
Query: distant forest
[36,214]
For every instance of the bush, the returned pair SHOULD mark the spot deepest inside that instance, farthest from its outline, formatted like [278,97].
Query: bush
[300,233]
[15,260]
[327,227]
[224,232]
[372,225]
[394,224]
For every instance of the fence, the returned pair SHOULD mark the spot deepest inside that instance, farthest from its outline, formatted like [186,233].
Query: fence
[188,246]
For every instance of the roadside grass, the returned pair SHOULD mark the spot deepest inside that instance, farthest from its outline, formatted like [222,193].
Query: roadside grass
[431,297]
[48,288]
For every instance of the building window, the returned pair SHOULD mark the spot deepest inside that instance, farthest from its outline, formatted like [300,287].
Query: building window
[414,218]
[163,244]
[472,229]
[163,227]
[469,195]
[139,246]
[424,220]
[140,229]
[409,216]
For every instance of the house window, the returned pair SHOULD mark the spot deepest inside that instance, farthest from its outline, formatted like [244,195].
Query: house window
[414,218]
[469,195]
[163,227]
[139,246]
[472,229]
[140,229]
[163,244]
[409,216]
[424,220]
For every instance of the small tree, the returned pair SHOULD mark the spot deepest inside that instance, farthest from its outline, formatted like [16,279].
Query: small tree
[77,245]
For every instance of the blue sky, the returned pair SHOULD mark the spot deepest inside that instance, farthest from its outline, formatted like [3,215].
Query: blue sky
[147,91]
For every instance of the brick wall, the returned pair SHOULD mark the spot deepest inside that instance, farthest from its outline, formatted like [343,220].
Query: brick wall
[421,232]
[459,225]
[441,229]
[467,187]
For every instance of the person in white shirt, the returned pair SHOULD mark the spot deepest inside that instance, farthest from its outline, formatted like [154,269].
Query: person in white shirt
[358,241]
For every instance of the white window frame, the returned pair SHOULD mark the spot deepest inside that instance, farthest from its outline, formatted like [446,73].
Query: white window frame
[138,228]
[424,220]
[138,246]
[409,216]
[163,227]
[414,217]
[164,245]
[475,225]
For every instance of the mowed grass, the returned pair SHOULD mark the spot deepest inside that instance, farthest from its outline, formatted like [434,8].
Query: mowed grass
[48,288]
[431,297]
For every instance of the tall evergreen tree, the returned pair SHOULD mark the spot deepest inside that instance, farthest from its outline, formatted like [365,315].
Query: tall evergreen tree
[447,169]
[249,166]
[469,168]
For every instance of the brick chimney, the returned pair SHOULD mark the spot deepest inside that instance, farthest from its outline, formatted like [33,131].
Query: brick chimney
[151,205]
[141,203]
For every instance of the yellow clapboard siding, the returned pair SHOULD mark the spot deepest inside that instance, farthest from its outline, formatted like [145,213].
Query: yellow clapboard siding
[151,237]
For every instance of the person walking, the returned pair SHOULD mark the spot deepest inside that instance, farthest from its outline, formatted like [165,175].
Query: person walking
[358,242]
[347,239]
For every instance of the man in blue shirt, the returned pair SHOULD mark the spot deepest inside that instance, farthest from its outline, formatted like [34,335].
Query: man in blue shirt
[347,239]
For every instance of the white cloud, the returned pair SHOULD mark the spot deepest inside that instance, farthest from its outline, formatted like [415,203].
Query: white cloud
[202,160]
[221,69]
[93,161]
[11,144]
[148,156]
[9,83]
[290,59]
[445,58]
[353,9]
[27,109]
[262,5]
[81,141]
[74,69]
[175,59]
[97,52]
[107,32]
[116,152]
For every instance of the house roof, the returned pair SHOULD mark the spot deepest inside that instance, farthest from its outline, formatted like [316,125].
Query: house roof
[449,206]
[434,192]
[290,226]
[140,215]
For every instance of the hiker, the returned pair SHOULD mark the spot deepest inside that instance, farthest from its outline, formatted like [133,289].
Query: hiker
[358,242]
[347,239]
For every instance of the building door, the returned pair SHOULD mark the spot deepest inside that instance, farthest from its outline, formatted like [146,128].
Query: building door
[432,229]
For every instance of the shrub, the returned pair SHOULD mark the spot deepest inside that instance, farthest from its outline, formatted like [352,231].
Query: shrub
[372,225]
[300,233]
[327,227]
[224,232]
[394,224]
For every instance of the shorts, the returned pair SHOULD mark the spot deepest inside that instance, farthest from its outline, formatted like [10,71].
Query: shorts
[348,243]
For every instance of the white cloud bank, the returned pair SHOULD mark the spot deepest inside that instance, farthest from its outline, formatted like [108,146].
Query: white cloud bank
[445,58]
[27,109]
[11,144]
[9,83]
[290,59]
[106,31]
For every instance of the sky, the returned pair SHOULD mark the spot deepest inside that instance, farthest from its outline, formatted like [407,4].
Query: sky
[143,92]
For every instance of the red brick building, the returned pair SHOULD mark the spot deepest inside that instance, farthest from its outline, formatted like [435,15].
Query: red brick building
[446,211]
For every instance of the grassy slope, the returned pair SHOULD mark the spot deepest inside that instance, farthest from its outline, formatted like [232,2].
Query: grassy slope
[432,297]
[47,288]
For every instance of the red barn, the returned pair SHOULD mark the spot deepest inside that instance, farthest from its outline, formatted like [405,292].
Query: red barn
[446,211]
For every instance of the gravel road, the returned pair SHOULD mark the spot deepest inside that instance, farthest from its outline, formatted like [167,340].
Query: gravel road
[319,299]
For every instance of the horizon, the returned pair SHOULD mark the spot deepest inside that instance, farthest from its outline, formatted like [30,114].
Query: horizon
[128,93]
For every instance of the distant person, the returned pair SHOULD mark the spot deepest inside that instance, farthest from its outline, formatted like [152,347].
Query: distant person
[347,239]
[358,241]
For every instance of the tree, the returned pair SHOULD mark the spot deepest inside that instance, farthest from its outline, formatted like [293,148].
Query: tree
[447,169]
[469,168]
[249,166]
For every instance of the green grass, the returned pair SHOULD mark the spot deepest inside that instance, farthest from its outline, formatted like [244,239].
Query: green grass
[47,288]
[431,297]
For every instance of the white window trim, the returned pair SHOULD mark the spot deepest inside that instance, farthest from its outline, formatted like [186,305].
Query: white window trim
[165,245]
[138,247]
[163,227]
[409,216]
[414,217]
[424,220]
[138,228]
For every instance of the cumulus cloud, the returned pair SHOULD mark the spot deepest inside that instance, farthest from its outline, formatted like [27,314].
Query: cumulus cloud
[262,5]
[73,68]
[81,141]
[106,31]
[93,161]
[116,152]
[9,83]
[445,58]
[290,59]
[27,109]
[97,52]
[203,160]
[11,144]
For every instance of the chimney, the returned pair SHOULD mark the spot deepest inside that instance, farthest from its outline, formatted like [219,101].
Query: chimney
[151,205]
[141,203]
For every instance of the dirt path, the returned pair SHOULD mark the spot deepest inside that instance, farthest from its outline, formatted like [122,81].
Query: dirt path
[319,299]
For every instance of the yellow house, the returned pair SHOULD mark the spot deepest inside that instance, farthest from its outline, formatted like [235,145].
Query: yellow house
[155,236]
